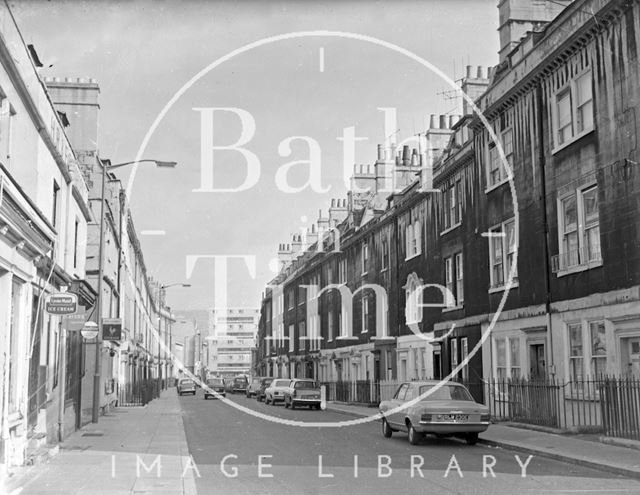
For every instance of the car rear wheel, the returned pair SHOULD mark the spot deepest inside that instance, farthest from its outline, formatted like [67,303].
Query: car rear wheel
[386,429]
[472,438]
[414,436]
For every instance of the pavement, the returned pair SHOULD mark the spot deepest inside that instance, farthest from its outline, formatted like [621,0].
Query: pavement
[170,447]
[567,448]
[116,455]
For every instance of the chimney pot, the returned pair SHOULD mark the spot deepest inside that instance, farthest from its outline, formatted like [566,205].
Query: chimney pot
[443,122]
[333,203]
[469,71]
[480,71]
[433,122]
[380,152]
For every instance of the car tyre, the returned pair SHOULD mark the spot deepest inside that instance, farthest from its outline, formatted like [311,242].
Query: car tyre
[414,436]
[472,438]
[292,405]
[386,429]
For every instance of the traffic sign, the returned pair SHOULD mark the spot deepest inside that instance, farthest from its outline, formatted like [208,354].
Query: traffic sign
[111,329]
[62,303]
[90,330]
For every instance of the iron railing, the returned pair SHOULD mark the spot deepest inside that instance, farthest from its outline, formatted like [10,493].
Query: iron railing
[606,404]
[141,392]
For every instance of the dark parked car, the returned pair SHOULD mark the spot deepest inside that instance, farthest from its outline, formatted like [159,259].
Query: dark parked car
[214,385]
[240,384]
[186,386]
[228,385]
[254,386]
[264,383]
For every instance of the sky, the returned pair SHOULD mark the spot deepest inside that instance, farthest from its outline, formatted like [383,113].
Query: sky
[285,102]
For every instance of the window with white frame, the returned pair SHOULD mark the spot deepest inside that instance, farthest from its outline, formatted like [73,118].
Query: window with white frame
[496,172]
[453,353]
[291,337]
[365,314]
[503,244]
[598,348]
[508,363]
[464,354]
[574,110]
[454,277]
[514,357]
[385,251]
[579,228]
[576,352]
[413,310]
[459,279]
[342,271]
[587,349]
[413,232]
[365,257]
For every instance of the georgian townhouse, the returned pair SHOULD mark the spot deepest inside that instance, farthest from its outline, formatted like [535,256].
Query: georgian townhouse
[44,215]
[562,104]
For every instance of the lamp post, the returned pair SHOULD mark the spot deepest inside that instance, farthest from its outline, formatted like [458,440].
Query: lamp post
[106,166]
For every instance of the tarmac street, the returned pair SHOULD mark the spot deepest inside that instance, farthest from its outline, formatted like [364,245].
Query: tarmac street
[188,445]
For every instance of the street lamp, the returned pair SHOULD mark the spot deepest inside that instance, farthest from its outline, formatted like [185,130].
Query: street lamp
[106,166]
[174,285]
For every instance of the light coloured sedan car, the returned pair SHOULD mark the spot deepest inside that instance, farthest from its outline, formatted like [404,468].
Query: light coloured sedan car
[186,386]
[448,411]
[275,392]
[302,392]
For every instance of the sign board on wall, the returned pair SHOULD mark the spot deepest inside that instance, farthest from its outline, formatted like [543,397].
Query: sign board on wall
[111,329]
[62,303]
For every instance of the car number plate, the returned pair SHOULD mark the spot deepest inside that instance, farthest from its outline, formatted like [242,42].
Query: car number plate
[459,418]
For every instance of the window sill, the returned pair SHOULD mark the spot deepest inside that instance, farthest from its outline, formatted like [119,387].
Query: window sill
[575,138]
[347,337]
[413,256]
[364,273]
[496,185]
[502,288]
[453,308]
[364,331]
[579,268]
[453,227]
[384,269]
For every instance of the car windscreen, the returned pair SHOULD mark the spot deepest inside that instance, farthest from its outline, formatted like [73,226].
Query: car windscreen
[215,383]
[446,392]
[281,383]
[186,382]
[306,385]
[267,381]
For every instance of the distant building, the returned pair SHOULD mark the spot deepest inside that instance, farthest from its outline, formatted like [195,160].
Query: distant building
[229,347]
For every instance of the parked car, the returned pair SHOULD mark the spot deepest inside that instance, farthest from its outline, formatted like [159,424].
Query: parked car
[448,411]
[214,385]
[264,384]
[186,386]
[254,386]
[228,385]
[275,392]
[240,384]
[302,392]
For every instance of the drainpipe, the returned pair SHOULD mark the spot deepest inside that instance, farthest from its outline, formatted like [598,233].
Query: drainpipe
[62,336]
[550,367]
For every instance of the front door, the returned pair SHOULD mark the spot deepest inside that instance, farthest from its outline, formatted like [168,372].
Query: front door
[537,359]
